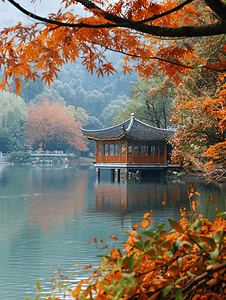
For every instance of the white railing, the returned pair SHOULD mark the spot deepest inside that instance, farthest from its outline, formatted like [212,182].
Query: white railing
[50,153]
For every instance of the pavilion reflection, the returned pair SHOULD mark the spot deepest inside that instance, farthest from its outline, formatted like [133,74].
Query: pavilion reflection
[111,196]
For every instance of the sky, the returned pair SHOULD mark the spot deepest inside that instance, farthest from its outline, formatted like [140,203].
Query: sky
[10,16]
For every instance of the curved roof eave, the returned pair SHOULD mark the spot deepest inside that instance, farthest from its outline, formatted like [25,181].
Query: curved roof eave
[105,129]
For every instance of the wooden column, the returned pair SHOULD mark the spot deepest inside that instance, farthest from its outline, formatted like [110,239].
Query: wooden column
[102,152]
[165,153]
[120,153]
[126,142]
[132,152]
[112,175]
[158,152]
[118,175]
[96,154]
[97,175]
[126,174]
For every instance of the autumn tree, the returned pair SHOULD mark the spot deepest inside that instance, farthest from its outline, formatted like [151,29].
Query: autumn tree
[137,29]
[153,37]
[50,124]
[197,114]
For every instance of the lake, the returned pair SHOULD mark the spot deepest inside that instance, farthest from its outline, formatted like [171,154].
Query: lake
[49,213]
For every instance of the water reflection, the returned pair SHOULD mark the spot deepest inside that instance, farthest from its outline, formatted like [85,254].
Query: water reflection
[47,214]
[130,196]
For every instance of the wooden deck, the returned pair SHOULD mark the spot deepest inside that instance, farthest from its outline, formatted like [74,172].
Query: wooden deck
[133,165]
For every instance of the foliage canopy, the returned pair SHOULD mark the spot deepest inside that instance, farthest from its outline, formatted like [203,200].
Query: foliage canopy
[152,99]
[12,108]
[137,29]
[53,126]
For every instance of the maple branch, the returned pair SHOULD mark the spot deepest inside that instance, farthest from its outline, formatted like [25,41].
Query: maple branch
[155,17]
[163,59]
[150,57]
[218,7]
[184,31]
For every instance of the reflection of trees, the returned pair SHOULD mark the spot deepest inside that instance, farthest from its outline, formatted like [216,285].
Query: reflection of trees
[58,207]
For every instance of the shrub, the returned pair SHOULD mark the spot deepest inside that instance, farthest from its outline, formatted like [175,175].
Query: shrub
[188,262]
[20,156]
[55,160]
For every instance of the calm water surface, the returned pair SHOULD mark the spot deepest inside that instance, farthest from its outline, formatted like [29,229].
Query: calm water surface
[47,214]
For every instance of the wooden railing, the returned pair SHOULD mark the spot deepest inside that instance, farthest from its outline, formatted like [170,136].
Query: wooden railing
[135,159]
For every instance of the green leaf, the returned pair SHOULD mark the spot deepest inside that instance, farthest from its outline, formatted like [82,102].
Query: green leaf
[203,246]
[26,298]
[38,286]
[131,261]
[178,294]
[221,235]
[190,274]
[216,237]
[147,244]
[166,290]
[212,262]
[179,261]
[139,259]
[148,233]
[176,225]
[197,225]
[159,228]
[180,279]
[119,262]
[139,245]
[177,244]
[37,297]
[209,241]
[221,214]
[215,253]
[170,254]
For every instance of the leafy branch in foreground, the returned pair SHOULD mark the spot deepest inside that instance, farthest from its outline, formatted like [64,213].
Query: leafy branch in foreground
[187,263]
[136,29]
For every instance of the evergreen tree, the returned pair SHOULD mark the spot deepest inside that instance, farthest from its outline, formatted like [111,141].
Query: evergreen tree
[16,137]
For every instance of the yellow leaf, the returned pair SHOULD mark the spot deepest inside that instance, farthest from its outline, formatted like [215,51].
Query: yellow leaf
[146,215]
[144,223]
[197,202]
[193,205]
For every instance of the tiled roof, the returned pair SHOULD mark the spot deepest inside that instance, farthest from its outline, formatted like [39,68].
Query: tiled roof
[132,129]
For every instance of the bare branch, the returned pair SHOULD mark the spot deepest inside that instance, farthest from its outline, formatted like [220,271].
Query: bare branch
[218,7]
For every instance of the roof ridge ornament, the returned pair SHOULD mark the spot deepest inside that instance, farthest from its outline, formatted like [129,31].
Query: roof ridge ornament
[131,122]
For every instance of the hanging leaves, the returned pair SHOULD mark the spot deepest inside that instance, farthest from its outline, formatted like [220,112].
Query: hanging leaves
[136,29]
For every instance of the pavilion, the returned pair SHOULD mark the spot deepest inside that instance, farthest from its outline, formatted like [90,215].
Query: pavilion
[131,145]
